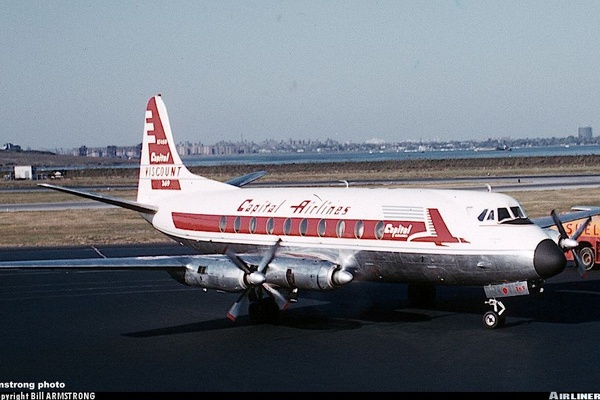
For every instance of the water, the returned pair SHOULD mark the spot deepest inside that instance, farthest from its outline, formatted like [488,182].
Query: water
[303,158]
[306,158]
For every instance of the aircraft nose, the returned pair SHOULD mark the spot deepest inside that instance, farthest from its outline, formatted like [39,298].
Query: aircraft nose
[548,259]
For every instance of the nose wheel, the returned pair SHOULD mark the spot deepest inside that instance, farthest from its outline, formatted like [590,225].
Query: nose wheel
[494,318]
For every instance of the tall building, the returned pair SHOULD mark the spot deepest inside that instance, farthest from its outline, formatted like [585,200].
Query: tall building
[585,132]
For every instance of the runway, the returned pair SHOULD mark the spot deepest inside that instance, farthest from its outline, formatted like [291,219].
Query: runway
[142,331]
[507,183]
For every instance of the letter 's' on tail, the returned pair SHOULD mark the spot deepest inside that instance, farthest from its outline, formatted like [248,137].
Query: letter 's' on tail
[162,173]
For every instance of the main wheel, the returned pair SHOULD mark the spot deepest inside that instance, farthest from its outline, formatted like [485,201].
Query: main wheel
[587,256]
[492,320]
[264,310]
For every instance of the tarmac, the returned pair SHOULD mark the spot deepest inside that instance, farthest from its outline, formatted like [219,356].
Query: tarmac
[143,332]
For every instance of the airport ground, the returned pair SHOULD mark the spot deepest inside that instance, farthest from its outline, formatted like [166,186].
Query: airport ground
[113,226]
[144,332]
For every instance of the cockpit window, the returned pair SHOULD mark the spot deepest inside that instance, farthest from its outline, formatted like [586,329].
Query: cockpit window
[517,212]
[517,216]
[481,216]
[503,214]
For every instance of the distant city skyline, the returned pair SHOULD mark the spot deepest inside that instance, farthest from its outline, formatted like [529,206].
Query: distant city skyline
[225,147]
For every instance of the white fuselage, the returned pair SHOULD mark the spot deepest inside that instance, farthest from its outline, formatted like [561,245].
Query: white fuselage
[381,234]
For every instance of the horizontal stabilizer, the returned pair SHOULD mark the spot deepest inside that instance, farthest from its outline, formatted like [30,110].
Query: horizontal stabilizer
[128,204]
[246,179]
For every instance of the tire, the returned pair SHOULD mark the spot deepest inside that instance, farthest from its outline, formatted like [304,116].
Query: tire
[491,320]
[264,311]
[587,256]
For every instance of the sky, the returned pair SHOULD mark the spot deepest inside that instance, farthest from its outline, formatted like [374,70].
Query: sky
[80,72]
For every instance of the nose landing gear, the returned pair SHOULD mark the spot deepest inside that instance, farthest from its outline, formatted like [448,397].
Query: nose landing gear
[494,318]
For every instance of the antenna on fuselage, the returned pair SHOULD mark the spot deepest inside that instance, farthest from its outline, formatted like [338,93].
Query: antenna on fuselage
[489,187]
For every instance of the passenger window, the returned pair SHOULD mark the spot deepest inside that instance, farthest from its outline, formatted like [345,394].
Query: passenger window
[321,228]
[252,226]
[359,229]
[303,227]
[340,228]
[223,223]
[379,230]
[270,225]
[287,226]
[237,224]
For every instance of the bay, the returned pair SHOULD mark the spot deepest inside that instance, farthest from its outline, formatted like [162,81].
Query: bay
[305,157]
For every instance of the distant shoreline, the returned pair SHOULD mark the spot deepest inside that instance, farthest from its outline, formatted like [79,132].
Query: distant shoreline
[96,167]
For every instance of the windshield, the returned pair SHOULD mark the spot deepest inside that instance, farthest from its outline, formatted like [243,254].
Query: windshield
[504,215]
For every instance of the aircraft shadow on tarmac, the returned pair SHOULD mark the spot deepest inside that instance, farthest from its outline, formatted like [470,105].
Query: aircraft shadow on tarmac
[566,302]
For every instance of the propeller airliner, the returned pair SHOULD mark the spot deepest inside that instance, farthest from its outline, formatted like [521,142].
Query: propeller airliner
[270,244]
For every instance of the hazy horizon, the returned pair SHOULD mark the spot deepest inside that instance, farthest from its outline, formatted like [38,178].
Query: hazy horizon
[80,73]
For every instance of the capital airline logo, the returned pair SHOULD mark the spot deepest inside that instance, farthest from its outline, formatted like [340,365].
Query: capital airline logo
[164,175]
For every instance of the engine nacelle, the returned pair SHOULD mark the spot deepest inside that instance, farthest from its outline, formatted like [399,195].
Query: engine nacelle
[306,274]
[553,234]
[221,273]
[218,273]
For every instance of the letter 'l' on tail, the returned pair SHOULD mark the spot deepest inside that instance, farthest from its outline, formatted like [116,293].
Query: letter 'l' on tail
[162,173]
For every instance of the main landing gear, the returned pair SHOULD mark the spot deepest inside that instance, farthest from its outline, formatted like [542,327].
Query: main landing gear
[263,310]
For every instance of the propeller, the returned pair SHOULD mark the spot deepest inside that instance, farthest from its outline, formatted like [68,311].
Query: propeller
[570,243]
[256,279]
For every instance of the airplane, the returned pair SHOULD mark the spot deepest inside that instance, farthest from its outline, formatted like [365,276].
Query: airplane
[268,244]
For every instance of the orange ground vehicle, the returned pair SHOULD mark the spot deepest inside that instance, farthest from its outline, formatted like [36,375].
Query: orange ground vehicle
[589,241]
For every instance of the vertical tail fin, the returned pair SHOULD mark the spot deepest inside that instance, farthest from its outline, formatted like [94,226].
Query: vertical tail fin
[162,172]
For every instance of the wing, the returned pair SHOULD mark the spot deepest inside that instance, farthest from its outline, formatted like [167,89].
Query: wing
[246,179]
[577,212]
[163,263]
[566,242]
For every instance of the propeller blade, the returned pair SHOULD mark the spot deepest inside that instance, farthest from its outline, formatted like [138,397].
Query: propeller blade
[268,256]
[234,311]
[237,261]
[580,268]
[568,243]
[279,299]
[565,242]
[581,228]
[559,225]
[256,280]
